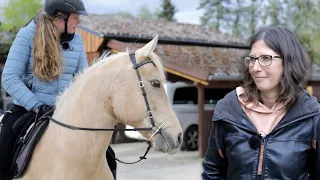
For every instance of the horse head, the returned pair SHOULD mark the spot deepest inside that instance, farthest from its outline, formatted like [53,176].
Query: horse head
[130,106]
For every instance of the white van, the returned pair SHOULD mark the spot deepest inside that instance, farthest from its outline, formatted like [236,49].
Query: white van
[184,100]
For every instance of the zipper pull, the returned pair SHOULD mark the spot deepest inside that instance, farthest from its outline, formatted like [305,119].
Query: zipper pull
[261,157]
[255,142]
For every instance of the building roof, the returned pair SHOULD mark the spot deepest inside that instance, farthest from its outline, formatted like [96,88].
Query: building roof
[192,50]
[203,63]
[112,24]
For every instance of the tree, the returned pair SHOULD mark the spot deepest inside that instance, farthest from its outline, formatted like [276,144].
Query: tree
[167,11]
[17,13]
[145,13]
[253,16]
[244,17]
[214,13]
[274,12]
[304,18]
[125,14]
[236,27]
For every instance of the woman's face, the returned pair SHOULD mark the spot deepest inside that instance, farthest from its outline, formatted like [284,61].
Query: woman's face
[73,21]
[266,78]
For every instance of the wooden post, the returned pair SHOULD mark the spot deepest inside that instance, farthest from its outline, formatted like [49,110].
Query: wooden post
[202,128]
[315,87]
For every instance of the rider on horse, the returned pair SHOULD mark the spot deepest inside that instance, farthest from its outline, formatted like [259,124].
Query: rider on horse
[40,65]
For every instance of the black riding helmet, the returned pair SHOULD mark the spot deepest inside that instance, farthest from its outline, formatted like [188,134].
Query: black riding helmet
[52,7]
[66,6]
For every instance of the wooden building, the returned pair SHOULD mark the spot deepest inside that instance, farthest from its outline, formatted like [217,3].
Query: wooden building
[208,58]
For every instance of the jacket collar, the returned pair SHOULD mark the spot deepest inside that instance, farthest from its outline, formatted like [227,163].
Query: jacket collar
[230,109]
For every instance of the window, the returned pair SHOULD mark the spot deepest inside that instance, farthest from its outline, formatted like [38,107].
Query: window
[189,95]
[185,95]
[212,96]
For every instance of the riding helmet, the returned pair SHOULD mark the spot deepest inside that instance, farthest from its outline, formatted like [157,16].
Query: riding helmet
[66,6]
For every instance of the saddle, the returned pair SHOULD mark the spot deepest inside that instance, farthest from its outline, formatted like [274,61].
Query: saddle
[30,130]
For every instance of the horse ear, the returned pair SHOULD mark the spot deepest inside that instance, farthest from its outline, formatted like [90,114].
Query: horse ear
[148,48]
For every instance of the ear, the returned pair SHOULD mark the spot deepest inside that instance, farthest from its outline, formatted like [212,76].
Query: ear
[149,48]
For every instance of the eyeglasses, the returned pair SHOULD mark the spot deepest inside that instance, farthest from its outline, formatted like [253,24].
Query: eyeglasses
[264,60]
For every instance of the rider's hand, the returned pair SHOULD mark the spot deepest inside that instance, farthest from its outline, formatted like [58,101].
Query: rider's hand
[42,109]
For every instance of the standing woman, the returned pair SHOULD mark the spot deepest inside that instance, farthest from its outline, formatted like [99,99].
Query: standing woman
[269,128]
[40,65]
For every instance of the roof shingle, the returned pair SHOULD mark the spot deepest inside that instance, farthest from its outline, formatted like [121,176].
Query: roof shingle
[112,24]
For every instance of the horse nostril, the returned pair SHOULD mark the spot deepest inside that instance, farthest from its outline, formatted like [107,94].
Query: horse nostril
[180,138]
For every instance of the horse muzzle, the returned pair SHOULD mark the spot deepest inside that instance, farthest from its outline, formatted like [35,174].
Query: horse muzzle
[167,140]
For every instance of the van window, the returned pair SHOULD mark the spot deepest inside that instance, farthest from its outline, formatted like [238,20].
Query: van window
[185,95]
[189,95]
[212,96]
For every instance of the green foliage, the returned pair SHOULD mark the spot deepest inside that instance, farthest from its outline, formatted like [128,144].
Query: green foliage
[314,50]
[167,11]
[145,13]
[304,18]
[6,40]
[237,17]
[243,18]
[215,13]
[17,13]
[4,49]
[125,14]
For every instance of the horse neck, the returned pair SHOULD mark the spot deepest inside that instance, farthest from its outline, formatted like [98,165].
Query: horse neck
[84,105]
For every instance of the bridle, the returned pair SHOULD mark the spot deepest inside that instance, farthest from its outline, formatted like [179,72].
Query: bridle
[154,127]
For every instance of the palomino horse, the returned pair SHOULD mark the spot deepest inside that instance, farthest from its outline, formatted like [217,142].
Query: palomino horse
[103,95]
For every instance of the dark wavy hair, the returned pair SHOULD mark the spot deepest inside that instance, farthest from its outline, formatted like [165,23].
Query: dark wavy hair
[295,65]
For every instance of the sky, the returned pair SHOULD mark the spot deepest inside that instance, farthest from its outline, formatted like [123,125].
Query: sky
[187,9]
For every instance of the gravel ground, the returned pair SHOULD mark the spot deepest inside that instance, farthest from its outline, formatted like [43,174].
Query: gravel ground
[158,166]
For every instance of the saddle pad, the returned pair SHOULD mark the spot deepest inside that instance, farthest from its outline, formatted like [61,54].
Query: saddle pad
[26,146]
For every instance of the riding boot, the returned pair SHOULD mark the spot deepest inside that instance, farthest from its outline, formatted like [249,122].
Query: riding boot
[7,140]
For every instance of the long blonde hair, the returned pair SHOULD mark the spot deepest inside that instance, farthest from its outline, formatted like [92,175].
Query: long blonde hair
[47,59]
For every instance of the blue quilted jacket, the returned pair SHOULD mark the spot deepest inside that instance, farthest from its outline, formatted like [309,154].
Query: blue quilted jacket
[18,79]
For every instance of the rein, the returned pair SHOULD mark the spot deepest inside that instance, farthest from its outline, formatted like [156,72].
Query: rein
[154,127]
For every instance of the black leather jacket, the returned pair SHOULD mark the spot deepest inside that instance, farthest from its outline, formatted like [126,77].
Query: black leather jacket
[290,151]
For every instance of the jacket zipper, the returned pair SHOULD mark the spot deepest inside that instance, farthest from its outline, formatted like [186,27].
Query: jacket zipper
[261,156]
[262,146]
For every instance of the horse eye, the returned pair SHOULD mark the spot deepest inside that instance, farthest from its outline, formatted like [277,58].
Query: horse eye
[155,83]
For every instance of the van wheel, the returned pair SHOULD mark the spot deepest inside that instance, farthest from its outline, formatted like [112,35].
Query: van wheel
[191,138]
